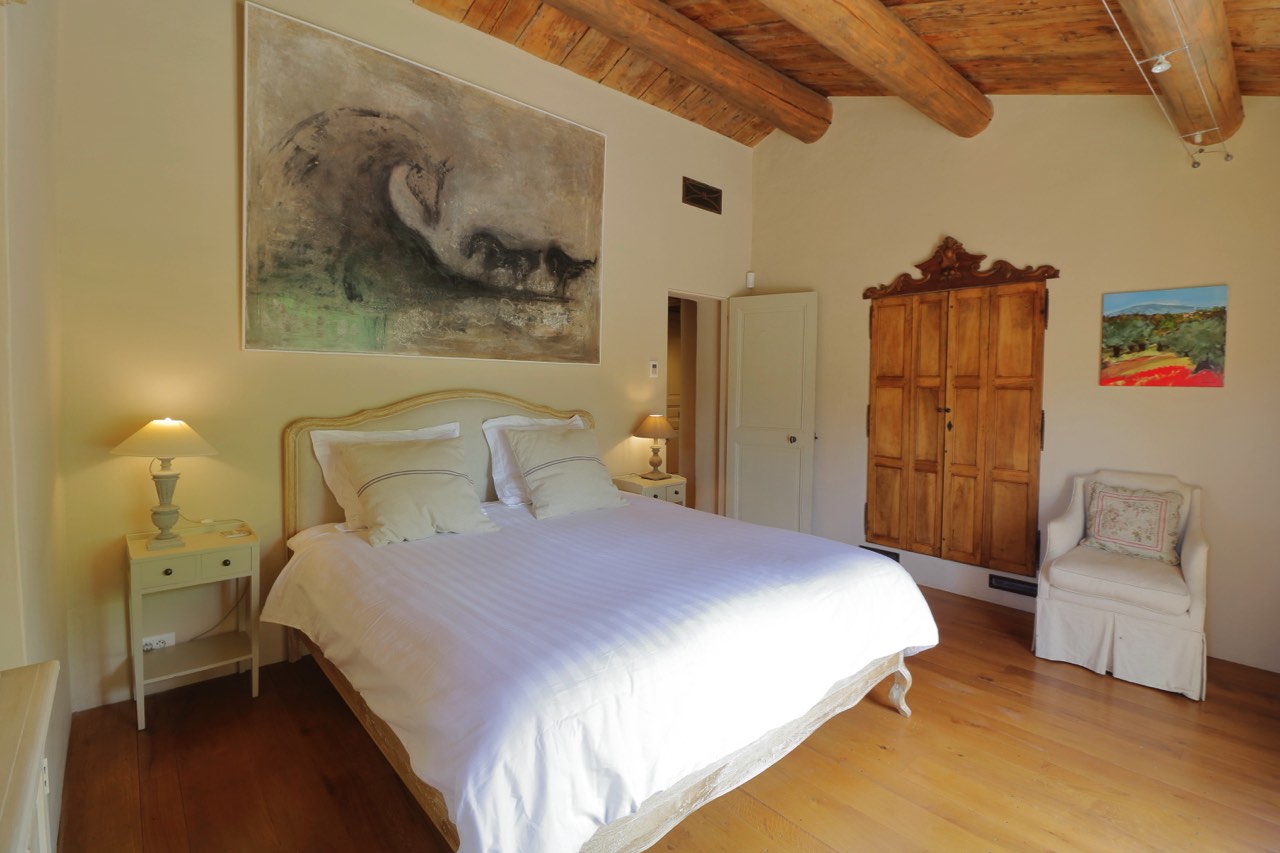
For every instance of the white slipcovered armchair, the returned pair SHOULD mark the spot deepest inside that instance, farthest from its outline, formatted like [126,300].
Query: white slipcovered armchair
[1140,619]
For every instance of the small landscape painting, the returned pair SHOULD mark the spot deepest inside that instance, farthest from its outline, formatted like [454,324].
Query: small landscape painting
[1175,337]
[395,210]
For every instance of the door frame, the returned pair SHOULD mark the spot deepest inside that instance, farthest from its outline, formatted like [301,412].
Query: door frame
[715,368]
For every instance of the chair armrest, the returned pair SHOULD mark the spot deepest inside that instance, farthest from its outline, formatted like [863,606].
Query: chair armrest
[1195,557]
[1065,531]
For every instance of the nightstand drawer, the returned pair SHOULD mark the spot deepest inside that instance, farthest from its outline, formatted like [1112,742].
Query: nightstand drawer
[154,574]
[675,494]
[224,564]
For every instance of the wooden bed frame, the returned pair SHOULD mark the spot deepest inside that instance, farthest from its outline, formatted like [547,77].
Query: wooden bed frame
[307,502]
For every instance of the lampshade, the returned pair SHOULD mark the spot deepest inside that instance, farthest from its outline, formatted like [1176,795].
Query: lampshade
[165,439]
[655,426]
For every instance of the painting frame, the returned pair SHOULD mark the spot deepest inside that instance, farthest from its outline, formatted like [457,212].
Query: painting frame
[1167,337]
[393,209]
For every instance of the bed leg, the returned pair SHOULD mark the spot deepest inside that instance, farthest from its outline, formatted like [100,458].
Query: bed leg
[898,690]
[293,645]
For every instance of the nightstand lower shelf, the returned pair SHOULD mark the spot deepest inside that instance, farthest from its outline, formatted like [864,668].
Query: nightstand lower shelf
[196,656]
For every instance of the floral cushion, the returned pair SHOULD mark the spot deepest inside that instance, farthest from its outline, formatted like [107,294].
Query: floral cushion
[1133,521]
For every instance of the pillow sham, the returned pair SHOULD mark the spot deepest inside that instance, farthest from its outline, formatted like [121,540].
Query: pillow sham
[325,441]
[1137,522]
[413,489]
[562,471]
[508,482]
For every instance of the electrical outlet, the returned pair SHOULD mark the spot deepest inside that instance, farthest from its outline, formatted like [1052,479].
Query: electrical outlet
[157,641]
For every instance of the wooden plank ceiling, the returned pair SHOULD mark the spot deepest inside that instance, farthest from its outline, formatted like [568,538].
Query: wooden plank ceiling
[986,47]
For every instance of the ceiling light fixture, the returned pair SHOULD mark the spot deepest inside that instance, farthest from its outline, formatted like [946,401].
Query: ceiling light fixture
[1191,142]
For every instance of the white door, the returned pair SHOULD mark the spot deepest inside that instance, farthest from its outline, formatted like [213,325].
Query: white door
[773,348]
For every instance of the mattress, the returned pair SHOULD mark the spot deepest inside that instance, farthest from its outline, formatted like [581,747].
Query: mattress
[550,676]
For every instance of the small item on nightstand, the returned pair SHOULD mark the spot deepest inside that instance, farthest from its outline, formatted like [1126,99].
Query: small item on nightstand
[655,427]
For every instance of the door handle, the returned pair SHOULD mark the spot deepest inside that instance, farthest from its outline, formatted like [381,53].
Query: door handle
[791,439]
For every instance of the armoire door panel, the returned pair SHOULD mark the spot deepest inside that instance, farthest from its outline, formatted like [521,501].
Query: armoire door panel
[928,375]
[890,422]
[930,326]
[927,425]
[1013,440]
[1012,538]
[884,511]
[1015,311]
[962,526]
[891,331]
[966,334]
[1013,424]
[925,533]
[964,438]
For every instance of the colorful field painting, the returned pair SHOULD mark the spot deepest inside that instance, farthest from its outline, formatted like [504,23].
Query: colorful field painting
[1175,337]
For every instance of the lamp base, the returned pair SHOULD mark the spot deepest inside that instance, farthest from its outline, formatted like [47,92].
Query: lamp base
[155,543]
[656,475]
[164,517]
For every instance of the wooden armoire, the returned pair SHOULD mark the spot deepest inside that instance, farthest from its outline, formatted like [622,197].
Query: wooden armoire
[954,421]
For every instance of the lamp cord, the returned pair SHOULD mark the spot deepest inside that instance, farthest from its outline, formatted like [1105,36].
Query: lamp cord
[205,522]
[226,615]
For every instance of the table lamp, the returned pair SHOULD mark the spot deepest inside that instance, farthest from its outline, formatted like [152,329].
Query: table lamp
[655,427]
[165,439]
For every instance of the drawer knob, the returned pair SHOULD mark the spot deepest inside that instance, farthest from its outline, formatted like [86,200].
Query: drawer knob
[168,572]
[226,562]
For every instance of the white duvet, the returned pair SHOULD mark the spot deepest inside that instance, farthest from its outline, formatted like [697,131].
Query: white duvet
[548,677]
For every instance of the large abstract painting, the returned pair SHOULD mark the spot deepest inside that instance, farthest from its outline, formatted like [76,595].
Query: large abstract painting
[392,209]
[1165,337]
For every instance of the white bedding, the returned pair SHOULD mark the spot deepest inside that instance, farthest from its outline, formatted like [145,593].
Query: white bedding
[549,677]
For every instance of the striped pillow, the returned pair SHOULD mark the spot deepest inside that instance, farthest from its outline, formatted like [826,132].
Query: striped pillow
[563,471]
[1138,522]
[413,489]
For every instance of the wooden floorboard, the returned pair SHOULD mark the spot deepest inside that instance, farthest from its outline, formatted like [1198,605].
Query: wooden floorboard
[1004,752]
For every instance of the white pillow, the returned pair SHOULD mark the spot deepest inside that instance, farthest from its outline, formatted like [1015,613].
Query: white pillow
[324,442]
[507,480]
[563,471]
[413,489]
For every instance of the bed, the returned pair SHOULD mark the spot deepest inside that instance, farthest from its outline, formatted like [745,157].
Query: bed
[580,682]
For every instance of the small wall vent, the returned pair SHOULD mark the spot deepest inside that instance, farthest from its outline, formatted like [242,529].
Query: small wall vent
[1021,587]
[704,196]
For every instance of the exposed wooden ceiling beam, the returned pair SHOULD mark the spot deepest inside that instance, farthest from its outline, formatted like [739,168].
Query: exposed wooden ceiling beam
[669,38]
[876,42]
[1200,91]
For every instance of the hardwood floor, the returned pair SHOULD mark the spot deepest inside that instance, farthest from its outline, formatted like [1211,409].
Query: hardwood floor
[1004,752]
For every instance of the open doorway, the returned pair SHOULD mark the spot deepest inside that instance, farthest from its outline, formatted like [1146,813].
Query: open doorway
[695,358]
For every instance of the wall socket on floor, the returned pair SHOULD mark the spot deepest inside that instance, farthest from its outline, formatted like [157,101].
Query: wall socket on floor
[157,641]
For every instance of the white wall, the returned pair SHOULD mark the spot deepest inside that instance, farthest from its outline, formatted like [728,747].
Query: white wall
[148,156]
[32,600]
[1098,187]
